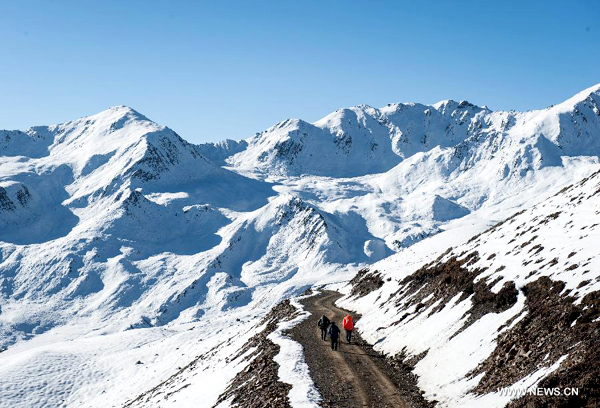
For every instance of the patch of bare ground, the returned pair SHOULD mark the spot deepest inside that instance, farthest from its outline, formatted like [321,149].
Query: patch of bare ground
[441,281]
[553,327]
[365,282]
[258,384]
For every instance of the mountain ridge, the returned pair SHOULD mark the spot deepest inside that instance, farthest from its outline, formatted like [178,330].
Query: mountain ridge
[286,149]
[122,242]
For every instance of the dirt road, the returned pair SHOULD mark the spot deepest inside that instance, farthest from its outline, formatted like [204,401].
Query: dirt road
[355,375]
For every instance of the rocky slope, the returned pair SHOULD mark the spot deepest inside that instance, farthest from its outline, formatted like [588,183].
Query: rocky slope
[514,306]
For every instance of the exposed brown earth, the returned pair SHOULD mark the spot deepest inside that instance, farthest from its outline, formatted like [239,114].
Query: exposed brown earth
[444,280]
[554,326]
[258,384]
[365,282]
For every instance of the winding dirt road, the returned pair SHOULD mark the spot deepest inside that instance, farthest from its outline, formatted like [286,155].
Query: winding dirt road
[355,375]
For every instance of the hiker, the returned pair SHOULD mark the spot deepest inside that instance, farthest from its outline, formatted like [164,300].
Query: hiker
[348,326]
[334,335]
[323,324]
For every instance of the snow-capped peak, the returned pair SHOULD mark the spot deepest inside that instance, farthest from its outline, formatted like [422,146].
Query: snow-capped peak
[363,140]
[593,92]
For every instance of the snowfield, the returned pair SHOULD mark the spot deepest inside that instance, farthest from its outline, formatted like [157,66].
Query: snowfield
[134,265]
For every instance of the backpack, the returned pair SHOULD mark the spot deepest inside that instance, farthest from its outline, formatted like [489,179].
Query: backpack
[324,322]
[334,331]
[348,323]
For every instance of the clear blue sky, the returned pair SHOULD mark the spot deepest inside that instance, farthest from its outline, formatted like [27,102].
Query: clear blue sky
[228,69]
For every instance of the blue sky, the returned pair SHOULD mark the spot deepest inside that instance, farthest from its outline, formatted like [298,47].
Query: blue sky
[216,70]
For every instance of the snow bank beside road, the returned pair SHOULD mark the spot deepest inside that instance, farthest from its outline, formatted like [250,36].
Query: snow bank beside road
[292,367]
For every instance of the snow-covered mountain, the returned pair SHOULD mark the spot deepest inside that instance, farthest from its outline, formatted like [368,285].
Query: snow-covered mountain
[121,243]
[507,308]
[364,140]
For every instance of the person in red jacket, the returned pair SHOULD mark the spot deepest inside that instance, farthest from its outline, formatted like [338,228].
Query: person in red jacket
[348,326]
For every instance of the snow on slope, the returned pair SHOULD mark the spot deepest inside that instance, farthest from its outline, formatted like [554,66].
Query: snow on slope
[531,151]
[219,151]
[161,238]
[364,140]
[120,242]
[355,141]
[509,307]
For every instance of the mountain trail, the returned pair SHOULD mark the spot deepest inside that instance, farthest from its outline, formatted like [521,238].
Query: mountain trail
[355,375]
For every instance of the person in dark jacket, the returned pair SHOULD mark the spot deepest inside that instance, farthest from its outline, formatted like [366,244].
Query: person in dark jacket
[334,335]
[323,324]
